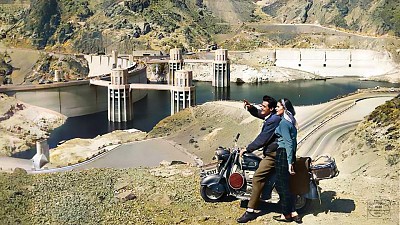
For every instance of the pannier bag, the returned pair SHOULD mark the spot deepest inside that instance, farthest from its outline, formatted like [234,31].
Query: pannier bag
[299,183]
[324,167]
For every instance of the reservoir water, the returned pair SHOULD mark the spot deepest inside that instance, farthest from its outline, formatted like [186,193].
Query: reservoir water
[156,106]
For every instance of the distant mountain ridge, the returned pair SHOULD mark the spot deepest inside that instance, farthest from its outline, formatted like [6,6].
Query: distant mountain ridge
[95,26]
[91,26]
[369,16]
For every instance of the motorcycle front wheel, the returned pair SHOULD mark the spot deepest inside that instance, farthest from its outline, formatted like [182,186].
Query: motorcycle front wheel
[212,193]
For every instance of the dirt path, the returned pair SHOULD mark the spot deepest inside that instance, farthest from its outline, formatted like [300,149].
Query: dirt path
[23,61]
[224,10]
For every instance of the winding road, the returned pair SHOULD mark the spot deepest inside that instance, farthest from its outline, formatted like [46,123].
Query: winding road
[146,153]
[329,138]
[320,131]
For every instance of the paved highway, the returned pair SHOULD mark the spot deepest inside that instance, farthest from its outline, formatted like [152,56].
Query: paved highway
[148,153]
[339,121]
[327,143]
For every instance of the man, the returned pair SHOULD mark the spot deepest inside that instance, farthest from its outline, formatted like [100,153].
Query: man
[268,141]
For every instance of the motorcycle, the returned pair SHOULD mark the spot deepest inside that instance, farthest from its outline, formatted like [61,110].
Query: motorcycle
[232,176]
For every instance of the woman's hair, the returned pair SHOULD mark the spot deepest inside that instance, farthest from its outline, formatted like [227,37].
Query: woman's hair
[289,111]
[287,105]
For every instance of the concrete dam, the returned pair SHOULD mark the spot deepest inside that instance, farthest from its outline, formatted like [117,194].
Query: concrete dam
[128,84]
[77,98]
[334,62]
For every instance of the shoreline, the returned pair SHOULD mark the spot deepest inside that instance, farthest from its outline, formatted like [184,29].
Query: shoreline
[23,124]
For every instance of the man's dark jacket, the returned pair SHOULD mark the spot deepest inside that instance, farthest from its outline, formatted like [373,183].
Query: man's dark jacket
[267,138]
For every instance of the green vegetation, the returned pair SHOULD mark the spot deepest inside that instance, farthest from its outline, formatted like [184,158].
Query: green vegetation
[389,11]
[172,124]
[75,10]
[386,118]
[387,114]
[42,21]
[166,195]
[339,21]
[5,66]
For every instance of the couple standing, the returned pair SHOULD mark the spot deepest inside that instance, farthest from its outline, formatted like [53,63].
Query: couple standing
[278,138]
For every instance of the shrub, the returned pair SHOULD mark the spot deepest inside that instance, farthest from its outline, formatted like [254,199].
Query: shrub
[393,159]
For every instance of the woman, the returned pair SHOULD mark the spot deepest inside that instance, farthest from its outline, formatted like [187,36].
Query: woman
[285,158]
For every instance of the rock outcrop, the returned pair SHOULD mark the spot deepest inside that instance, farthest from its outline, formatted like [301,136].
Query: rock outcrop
[22,124]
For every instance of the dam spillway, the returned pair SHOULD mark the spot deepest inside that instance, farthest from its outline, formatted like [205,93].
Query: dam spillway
[335,62]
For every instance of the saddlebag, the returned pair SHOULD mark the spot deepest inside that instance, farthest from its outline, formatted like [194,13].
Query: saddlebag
[299,183]
[324,167]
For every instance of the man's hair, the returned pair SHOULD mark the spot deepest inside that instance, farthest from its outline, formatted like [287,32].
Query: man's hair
[271,101]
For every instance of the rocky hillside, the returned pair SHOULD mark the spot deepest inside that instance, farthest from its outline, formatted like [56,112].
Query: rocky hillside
[377,140]
[71,67]
[92,26]
[368,16]
[5,68]
[132,196]
[202,129]
[22,124]
[95,26]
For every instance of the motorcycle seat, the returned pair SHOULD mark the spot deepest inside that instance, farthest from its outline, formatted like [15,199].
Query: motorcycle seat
[252,156]
[250,161]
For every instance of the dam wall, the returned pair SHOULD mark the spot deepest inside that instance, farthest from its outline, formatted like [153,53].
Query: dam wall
[336,62]
[103,64]
[71,101]
[76,99]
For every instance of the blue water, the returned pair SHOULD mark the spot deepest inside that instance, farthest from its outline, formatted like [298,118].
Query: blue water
[156,106]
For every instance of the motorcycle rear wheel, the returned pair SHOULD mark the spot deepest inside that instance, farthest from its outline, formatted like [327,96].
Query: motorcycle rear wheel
[302,204]
[211,195]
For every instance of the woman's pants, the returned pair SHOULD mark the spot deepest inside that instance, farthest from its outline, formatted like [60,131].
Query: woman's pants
[282,182]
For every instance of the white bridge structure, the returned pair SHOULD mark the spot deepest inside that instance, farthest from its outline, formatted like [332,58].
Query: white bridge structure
[120,106]
[220,66]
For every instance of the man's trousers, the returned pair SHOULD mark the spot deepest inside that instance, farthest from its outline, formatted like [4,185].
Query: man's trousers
[261,176]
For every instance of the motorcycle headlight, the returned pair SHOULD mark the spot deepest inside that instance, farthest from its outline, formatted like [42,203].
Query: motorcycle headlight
[222,154]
